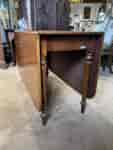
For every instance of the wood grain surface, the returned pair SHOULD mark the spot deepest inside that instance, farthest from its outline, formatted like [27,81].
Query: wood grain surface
[28,61]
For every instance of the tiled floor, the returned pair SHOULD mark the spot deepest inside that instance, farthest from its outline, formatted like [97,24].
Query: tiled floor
[67,129]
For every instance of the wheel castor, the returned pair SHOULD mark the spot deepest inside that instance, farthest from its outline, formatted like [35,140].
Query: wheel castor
[44,118]
[83,106]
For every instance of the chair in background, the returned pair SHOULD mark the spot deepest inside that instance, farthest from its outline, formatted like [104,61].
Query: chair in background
[107,59]
[3,55]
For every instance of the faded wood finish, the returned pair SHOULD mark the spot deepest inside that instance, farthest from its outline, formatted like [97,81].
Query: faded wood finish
[36,51]
[28,60]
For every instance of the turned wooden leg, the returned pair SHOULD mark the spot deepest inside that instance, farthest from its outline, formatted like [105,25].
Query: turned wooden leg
[44,94]
[44,75]
[87,64]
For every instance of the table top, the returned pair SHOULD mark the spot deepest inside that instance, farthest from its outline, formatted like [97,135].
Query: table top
[58,32]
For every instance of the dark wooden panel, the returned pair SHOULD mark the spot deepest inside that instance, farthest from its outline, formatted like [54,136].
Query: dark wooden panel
[68,66]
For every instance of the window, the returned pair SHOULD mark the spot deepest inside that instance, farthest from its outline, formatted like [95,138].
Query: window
[87,13]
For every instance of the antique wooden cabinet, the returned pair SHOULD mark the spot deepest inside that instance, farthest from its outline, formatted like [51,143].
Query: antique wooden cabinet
[38,51]
[46,14]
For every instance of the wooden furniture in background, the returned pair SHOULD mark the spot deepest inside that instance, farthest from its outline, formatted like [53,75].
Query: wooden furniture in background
[107,59]
[2,55]
[46,14]
[38,51]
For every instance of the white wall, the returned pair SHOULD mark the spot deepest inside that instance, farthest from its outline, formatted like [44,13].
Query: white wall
[79,10]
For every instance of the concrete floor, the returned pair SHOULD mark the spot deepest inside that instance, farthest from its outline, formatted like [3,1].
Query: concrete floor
[67,129]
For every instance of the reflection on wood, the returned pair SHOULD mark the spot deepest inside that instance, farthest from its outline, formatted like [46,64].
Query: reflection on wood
[28,60]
